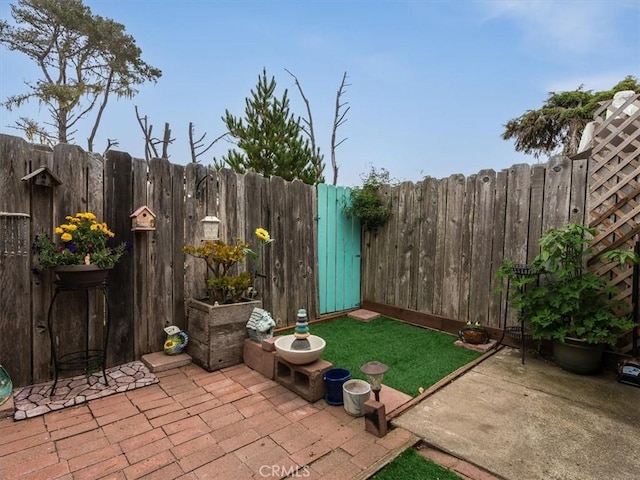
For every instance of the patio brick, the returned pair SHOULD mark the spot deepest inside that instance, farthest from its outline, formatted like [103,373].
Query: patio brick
[93,456]
[167,472]
[227,466]
[181,429]
[395,438]
[193,445]
[148,465]
[142,439]
[359,442]
[29,460]
[89,424]
[148,450]
[99,470]
[201,457]
[367,457]
[127,428]
[311,453]
[170,417]
[190,433]
[240,440]
[23,443]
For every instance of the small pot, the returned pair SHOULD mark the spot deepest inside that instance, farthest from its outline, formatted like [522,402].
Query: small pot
[474,335]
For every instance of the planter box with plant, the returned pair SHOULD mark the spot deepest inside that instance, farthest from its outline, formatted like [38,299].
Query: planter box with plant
[217,324]
[567,303]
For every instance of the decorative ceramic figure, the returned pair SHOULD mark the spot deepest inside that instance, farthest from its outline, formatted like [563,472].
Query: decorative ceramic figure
[176,340]
[6,386]
[260,325]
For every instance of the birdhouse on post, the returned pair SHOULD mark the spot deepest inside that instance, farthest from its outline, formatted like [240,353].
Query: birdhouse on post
[143,219]
[43,177]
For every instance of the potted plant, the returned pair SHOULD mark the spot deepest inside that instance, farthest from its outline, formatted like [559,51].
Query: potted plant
[85,250]
[366,202]
[216,324]
[567,303]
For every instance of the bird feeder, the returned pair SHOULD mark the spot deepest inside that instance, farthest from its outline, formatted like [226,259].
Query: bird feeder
[143,219]
[43,177]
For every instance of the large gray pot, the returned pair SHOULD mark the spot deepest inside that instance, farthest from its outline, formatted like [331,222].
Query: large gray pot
[577,356]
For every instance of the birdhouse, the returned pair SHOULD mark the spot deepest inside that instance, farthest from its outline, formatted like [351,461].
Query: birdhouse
[143,219]
[42,177]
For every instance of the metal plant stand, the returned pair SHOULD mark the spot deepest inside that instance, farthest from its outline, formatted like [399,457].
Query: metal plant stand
[88,359]
[519,332]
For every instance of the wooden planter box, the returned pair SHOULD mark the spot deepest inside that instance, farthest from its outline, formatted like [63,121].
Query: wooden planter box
[217,334]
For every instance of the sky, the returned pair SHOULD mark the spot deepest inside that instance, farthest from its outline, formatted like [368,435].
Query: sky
[430,83]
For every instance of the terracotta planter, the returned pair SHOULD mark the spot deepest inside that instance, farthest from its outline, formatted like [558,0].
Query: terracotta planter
[474,335]
[81,274]
[577,356]
[217,333]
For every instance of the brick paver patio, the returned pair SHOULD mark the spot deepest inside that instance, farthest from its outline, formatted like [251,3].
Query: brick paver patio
[231,424]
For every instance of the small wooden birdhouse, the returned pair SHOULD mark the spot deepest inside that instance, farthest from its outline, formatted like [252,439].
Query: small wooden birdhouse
[143,219]
[42,177]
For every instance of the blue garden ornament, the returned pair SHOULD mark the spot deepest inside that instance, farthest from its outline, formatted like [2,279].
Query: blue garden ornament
[176,340]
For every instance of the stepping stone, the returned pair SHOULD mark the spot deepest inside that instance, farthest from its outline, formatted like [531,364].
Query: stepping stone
[160,361]
[363,315]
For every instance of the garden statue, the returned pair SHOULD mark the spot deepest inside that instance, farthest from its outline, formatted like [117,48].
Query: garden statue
[260,325]
[301,332]
[176,340]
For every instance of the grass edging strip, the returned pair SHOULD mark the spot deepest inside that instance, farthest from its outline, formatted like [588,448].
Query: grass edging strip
[440,384]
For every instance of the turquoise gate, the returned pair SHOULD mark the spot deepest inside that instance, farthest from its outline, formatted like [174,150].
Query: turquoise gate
[338,252]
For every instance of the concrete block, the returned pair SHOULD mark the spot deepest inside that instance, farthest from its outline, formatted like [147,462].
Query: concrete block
[305,380]
[268,344]
[160,361]
[375,418]
[258,359]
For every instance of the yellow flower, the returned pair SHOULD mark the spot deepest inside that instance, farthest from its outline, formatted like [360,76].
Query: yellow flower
[66,237]
[69,218]
[59,231]
[72,228]
[262,234]
[75,220]
[95,227]
[89,216]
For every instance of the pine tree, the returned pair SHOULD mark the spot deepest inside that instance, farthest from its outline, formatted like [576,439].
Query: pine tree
[270,139]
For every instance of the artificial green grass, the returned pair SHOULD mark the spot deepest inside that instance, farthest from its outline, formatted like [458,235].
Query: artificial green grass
[410,464]
[417,357]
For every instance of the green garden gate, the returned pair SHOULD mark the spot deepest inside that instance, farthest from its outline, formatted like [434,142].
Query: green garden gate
[338,251]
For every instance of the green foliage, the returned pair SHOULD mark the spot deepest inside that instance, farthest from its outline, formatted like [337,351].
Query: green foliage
[270,138]
[224,286]
[83,240]
[568,300]
[411,465]
[84,58]
[366,202]
[561,120]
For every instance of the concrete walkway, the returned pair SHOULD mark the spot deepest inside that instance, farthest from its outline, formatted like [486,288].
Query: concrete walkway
[231,424]
[534,421]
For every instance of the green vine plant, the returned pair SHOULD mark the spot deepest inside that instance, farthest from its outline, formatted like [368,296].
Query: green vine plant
[367,203]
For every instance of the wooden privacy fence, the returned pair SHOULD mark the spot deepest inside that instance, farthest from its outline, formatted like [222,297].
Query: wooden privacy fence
[447,238]
[147,288]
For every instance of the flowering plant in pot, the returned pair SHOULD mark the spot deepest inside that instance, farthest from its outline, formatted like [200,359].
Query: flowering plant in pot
[565,302]
[216,325]
[82,240]
[224,284]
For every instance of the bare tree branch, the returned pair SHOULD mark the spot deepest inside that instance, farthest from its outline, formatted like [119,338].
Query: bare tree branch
[338,120]
[309,123]
[110,143]
[150,142]
[197,145]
